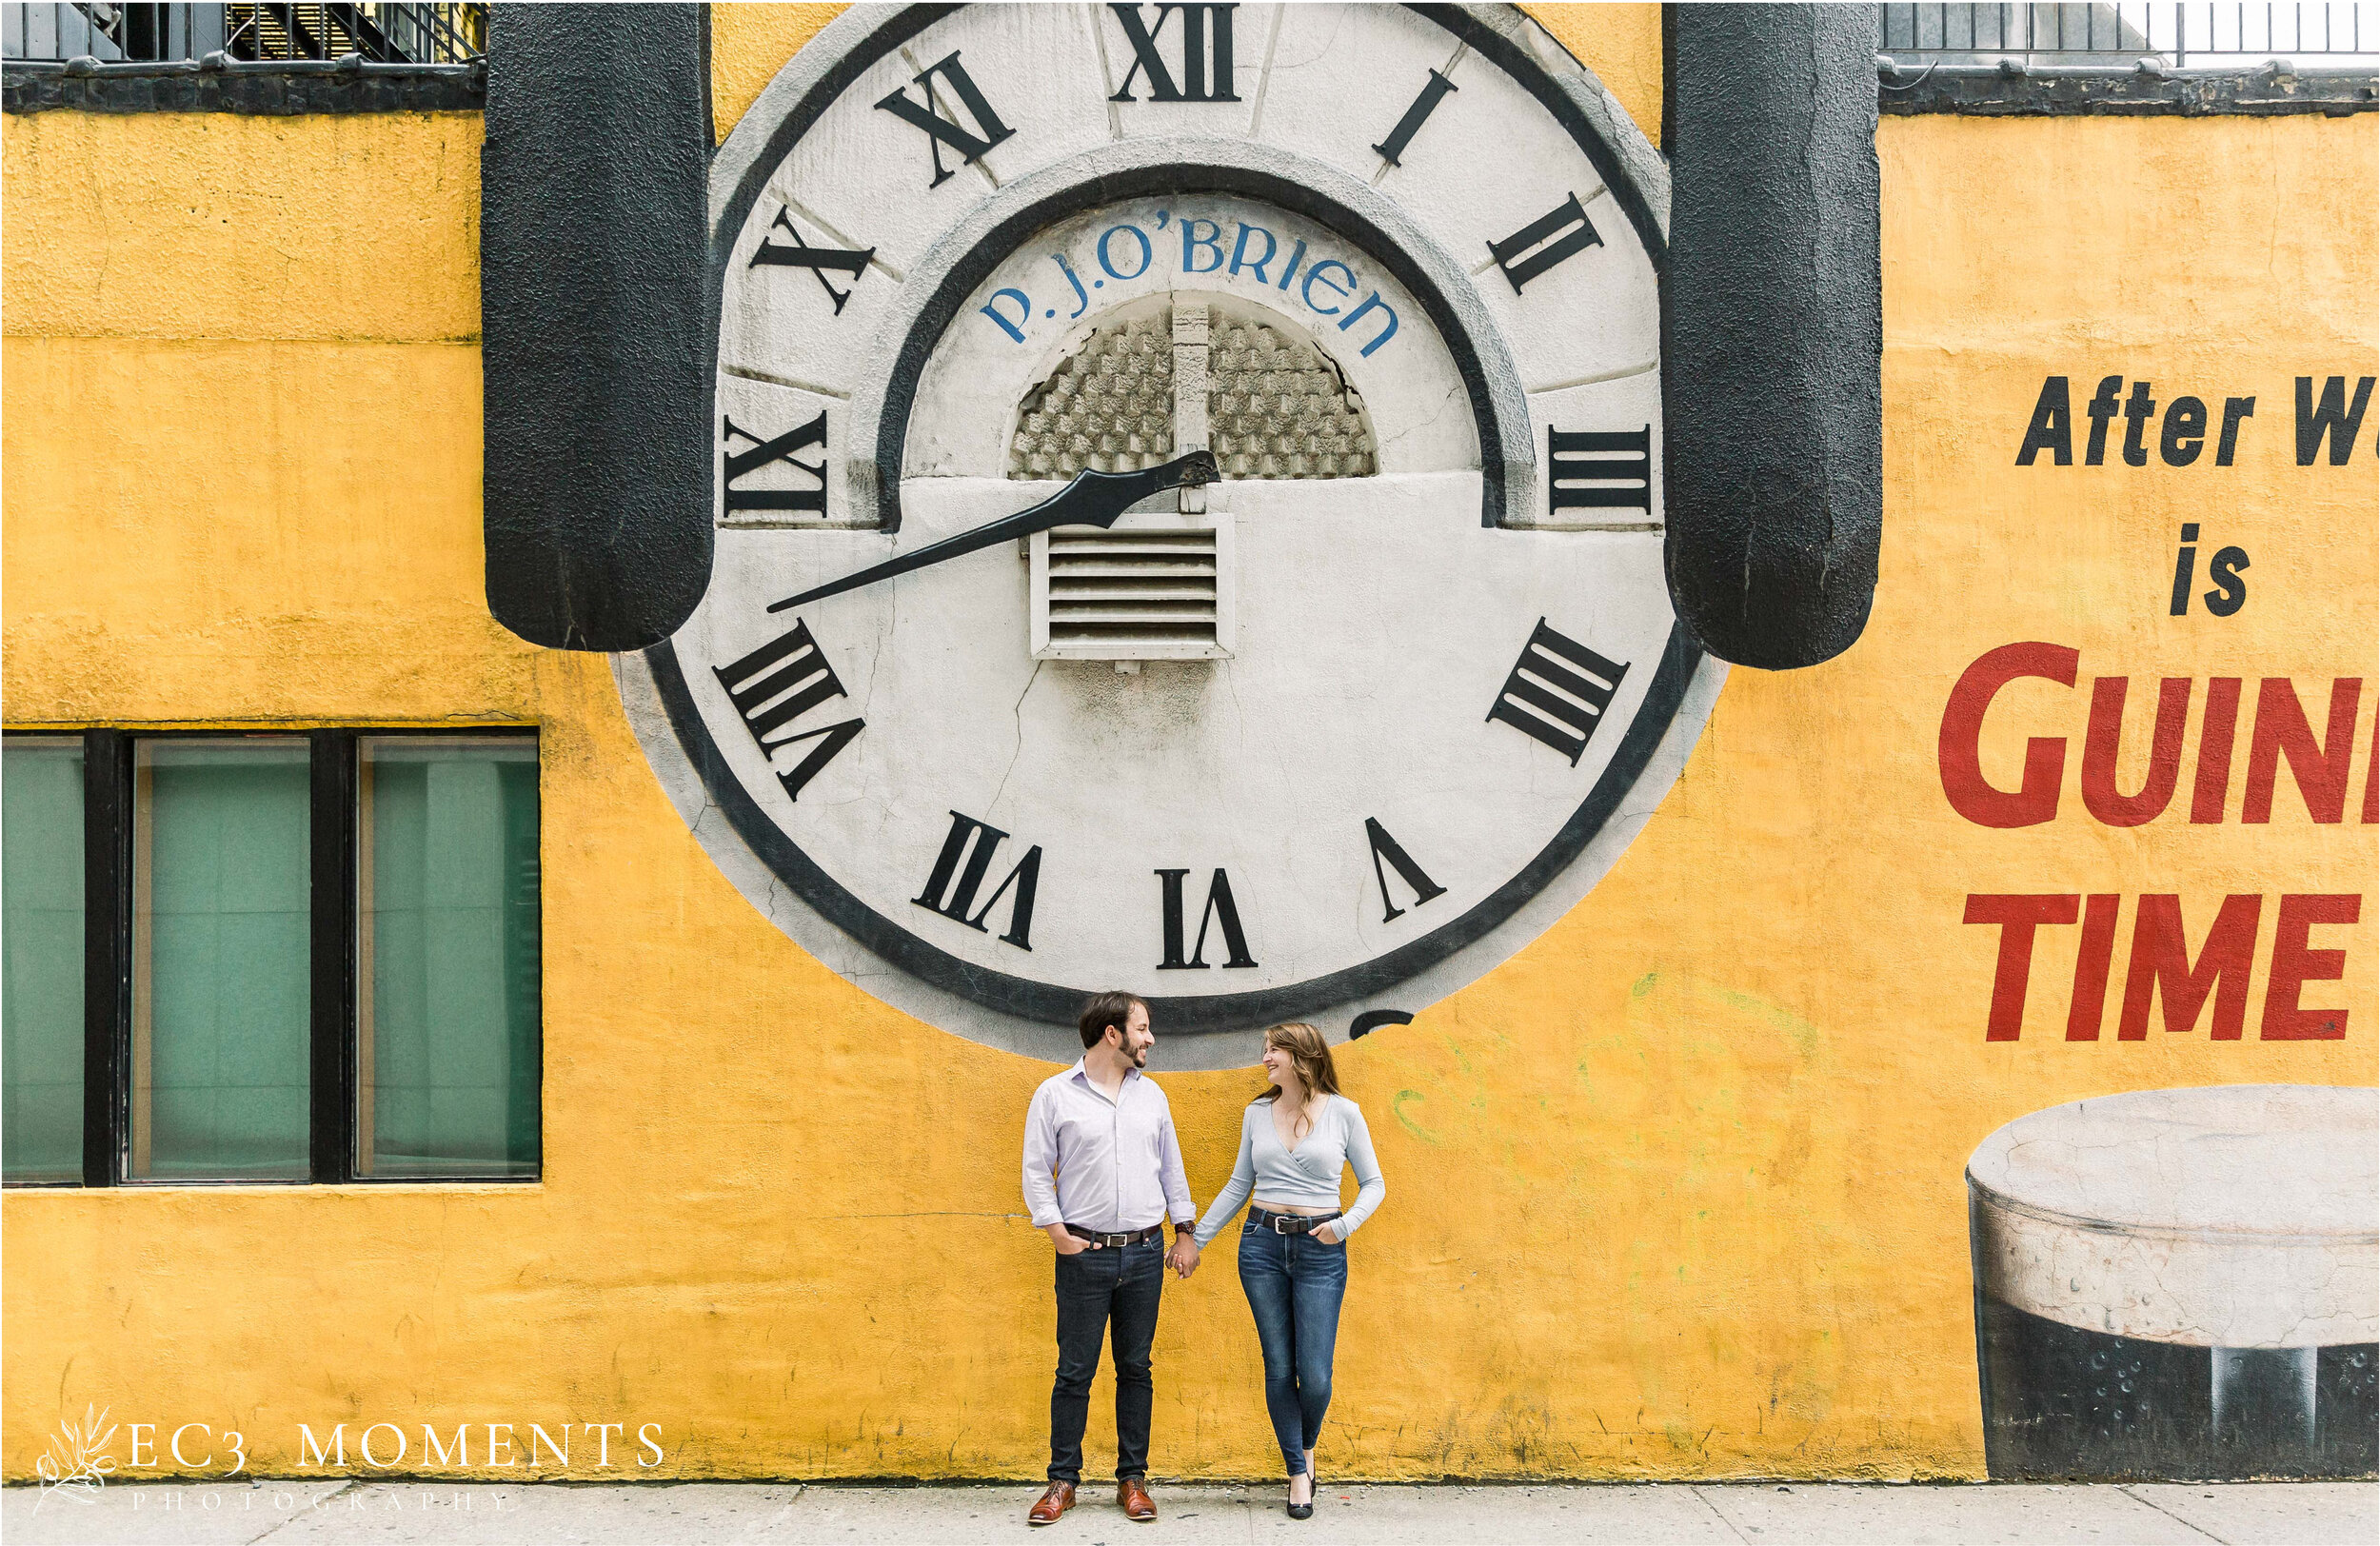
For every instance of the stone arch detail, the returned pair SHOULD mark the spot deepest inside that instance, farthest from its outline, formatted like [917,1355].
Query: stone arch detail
[1138,390]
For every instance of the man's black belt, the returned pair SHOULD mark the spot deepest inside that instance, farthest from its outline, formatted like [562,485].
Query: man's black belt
[1155,1232]
[1289,1223]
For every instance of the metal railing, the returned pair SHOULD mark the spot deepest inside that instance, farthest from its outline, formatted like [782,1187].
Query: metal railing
[128,33]
[2208,34]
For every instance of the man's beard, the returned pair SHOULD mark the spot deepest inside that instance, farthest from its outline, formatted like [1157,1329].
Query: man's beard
[1141,1059]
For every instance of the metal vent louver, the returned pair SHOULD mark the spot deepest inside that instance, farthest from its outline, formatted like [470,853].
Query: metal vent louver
[1153,587]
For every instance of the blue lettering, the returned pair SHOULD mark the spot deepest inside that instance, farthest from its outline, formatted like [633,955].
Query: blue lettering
[1330,285]
[1191,241]
[1369,302]
[1083,298]
[1240,252]
[1024,313]
[1296,256]
[1138,235]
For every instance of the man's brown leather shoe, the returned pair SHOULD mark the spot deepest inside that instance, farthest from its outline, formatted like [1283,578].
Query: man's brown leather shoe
[1138,1505]
[1054,1502]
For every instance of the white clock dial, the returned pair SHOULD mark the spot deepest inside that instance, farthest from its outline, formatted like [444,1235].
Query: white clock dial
[1322,739]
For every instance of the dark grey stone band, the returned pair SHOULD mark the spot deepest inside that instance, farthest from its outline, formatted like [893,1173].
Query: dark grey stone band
[1910,87]
[269,87]
[1772,329]
[600,328]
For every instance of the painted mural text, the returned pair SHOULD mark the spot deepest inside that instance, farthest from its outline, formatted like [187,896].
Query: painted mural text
[2330,418]
[2230,592]
[1195,250]
[2162,968]
[2161,965]
[2280,733]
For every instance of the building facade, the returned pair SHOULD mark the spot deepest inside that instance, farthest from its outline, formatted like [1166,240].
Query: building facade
[402,1037]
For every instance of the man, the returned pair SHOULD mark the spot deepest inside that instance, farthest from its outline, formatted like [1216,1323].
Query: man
[1103,1172]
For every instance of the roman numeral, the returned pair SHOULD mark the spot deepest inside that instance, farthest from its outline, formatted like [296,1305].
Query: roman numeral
[943,130]
[734,464]
[1220,911]
[1617,466]
[1548,230]
[778,684]
[1384,847]
[820,261]
[1409,125]
[1197,23]
[1529,701]
[950,891]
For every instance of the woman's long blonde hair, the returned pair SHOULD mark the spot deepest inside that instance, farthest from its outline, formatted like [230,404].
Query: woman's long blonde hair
[1310,1055]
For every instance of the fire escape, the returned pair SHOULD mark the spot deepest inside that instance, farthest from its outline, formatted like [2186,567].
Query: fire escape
[382,33]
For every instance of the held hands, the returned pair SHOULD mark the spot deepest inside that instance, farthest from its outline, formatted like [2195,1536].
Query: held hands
[1184,1257]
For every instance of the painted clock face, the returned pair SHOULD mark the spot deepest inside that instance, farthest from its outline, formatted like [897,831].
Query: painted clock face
[1322,740]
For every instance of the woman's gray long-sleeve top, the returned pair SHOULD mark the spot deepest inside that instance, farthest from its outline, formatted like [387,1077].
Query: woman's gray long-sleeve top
[1306,1175]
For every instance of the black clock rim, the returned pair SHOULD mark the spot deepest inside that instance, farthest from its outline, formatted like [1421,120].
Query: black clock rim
[1217,1014]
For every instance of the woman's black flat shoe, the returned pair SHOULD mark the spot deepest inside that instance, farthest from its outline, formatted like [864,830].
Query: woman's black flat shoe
[1305,1510]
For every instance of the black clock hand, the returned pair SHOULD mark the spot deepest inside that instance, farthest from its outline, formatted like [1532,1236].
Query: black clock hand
[1093,499]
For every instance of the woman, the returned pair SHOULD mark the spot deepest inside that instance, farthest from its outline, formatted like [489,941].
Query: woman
[1294,1140]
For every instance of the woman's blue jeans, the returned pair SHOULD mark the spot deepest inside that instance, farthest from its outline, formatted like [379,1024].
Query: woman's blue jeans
[1293,1283]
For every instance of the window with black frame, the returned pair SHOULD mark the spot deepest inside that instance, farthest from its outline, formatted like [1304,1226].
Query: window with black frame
[270,958]
[41,972]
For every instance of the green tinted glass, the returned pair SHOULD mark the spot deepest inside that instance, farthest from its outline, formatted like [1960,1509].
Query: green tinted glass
[221,936]
[446,946]
[41,978]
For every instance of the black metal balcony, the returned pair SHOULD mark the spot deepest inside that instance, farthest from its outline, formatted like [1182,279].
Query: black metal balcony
[2128,60]
[2198,35]
[164,33]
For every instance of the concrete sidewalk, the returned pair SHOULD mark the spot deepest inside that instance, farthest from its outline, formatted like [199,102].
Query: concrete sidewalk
[387,1514]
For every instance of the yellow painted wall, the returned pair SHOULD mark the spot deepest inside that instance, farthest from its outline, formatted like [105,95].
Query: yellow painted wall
[1676,1192]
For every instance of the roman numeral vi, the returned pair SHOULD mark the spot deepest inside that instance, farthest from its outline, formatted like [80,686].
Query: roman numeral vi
[943,130]
[1220,911]
[1530,702]
[950,891]
[776,684]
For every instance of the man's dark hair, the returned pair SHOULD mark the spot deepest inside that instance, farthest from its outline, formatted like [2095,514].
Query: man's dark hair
[1105,1009]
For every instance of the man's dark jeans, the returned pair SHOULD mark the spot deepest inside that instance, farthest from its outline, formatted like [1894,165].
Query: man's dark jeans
[1116,1288]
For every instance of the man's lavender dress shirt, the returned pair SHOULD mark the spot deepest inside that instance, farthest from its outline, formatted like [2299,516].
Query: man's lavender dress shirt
[1107,1166]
